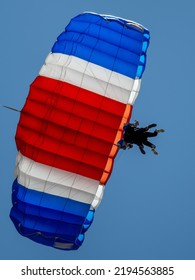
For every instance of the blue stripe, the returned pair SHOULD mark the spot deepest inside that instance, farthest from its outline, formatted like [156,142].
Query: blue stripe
[112,44]
[24,225]
[50,202]
[46,218]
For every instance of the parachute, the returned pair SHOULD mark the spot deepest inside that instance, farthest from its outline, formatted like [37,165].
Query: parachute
[69,126]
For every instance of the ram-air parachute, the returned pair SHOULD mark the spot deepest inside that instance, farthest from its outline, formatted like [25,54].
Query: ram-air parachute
[70,124]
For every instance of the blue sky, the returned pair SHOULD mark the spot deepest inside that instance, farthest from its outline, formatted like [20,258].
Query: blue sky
[148,210]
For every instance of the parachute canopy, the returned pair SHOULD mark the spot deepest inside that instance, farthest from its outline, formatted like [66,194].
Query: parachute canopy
[70,124]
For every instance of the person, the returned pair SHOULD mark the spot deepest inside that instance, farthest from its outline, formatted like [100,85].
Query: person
[132,134]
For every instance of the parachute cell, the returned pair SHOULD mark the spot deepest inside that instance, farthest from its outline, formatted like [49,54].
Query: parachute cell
[70,123]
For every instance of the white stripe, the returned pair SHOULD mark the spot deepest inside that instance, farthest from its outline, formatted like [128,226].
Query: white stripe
[43,178]
[92,77]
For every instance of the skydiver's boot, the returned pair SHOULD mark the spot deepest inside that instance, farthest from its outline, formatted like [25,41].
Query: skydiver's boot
[160,130]
[154,151]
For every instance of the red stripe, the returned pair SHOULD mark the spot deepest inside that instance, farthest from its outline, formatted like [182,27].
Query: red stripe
[69,135]
[59,94]
[69,128]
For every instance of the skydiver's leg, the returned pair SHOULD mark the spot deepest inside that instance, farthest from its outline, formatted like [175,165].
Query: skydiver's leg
[149,144]
[152,125]
[141,147]
[149,126]
[151,134]
[152,146]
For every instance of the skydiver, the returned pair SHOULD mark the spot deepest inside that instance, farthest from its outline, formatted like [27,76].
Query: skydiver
[135,135]
[127,129]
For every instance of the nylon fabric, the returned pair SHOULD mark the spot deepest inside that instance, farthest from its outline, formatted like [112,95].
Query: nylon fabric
[69,126]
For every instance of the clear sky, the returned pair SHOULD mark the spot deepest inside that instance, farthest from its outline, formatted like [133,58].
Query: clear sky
[148,210]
